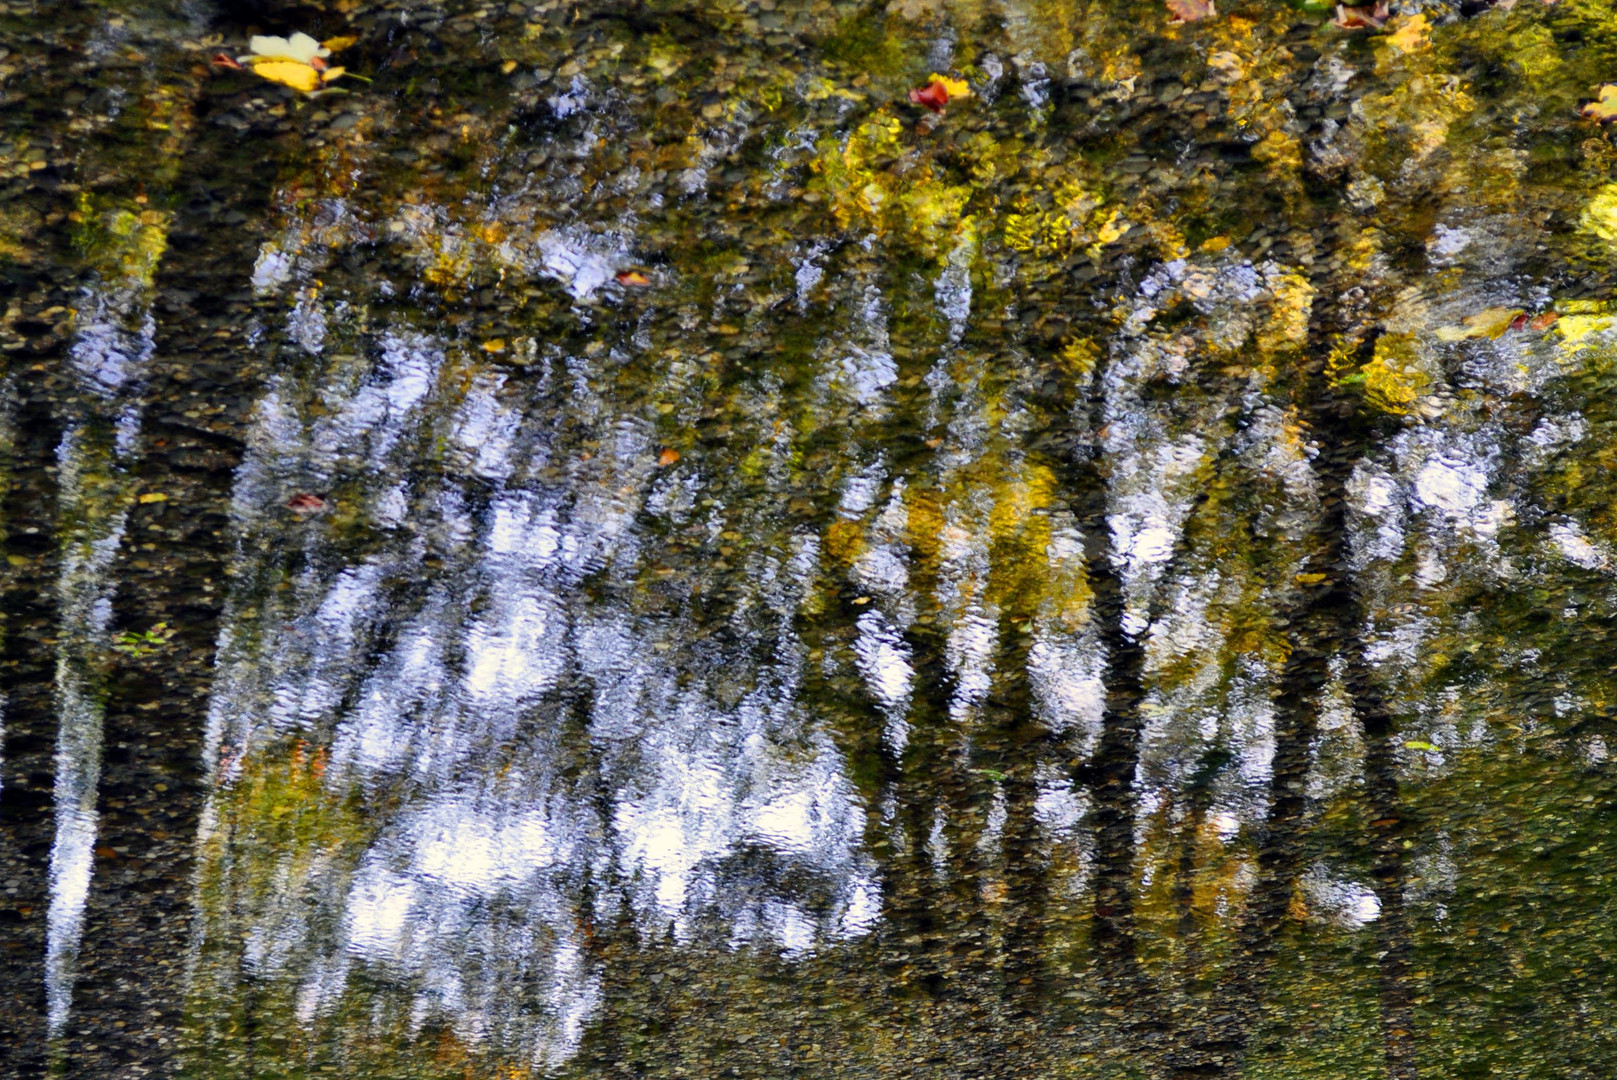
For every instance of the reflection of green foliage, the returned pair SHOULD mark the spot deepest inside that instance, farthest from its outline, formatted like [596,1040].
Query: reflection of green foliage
[863,43]
[123,243]
[144,642]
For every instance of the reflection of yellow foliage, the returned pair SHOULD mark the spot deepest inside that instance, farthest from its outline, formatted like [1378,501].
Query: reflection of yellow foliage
[1574,328]
[1287,326]
[1534,51]
[844,540]
[1075,216]
[866,186]
[1396,378]
[1280,151]
[1078,356]
[122,242]
[1421,110]
[1600,216]
[925,523]
[1226,65]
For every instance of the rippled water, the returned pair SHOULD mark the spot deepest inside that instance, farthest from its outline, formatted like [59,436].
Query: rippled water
[626,546]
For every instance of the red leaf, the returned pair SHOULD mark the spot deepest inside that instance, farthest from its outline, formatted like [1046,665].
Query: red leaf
[1518,322]
[226,60]
[934,95]
[305,504]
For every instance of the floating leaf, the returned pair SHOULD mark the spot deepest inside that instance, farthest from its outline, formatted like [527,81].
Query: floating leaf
[938,92]
[298,61]
[1367,16]
[1183,11]
[1420,744]
[300,48]
[668,457]
[337,44]
[1411,34]
[633,278]
[153,497]
[494,345]
[304,503]
[1605,109]
[1488,323]
[290,73]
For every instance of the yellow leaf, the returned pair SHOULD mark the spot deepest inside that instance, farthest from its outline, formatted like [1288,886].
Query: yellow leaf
[1410,35]
[956,88]
[1112,228]
[1488,323]
[494,345]
[1604,110]
[508,67]
[289,73]
[154,497]
[338,43]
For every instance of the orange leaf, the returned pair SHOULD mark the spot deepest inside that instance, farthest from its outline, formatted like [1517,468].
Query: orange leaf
[634,278]
[668,457]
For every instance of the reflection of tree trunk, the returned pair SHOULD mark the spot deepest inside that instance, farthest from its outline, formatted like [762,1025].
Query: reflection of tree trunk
[1393,944]
[1318,620]
[1198,801]
[919,907]
[171,567]
[1109,773]
[38,286]
[28,608]
[1008,745]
